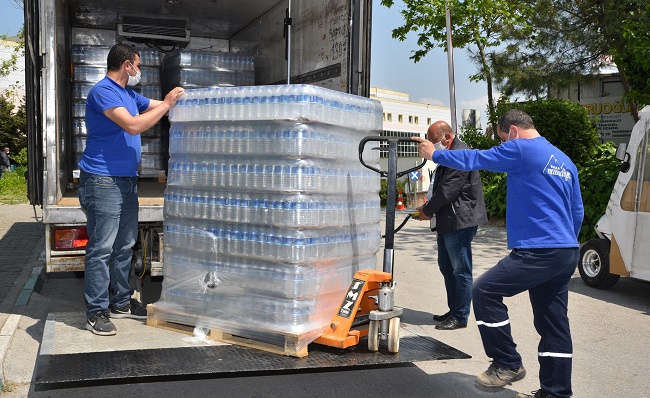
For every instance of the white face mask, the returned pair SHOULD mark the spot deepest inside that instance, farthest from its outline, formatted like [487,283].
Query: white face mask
[134,80]
[439,147]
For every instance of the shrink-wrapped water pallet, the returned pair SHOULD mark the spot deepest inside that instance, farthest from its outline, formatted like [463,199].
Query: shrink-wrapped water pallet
[268,211]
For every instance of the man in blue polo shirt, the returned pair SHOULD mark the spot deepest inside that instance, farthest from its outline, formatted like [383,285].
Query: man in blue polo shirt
[108,186]
[544,213]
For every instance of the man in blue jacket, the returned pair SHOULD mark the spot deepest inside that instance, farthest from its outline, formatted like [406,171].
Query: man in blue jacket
[544,213]
[457,202]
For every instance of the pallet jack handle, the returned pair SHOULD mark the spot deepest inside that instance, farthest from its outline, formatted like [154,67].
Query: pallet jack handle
[391,175]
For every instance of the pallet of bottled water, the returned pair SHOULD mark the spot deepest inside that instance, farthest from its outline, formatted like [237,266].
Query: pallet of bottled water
[292,101]
[269,214]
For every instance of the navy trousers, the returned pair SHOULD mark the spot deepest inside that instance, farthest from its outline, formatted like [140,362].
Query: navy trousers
[545,273]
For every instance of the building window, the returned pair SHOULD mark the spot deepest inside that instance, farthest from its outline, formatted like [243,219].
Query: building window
[404,149]
[384,116]
[400,119]
[389,117]
[416,120]
[428,121]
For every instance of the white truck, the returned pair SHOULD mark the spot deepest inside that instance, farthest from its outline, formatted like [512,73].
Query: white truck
[623,246]
[325,43]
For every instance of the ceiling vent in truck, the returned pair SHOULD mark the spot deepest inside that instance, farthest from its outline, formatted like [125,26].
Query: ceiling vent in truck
[158,29]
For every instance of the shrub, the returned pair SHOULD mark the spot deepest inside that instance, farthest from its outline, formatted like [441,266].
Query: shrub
[384,189]
[13,188]
[597,177]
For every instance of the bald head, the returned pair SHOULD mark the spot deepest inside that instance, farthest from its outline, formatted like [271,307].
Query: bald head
[441,132]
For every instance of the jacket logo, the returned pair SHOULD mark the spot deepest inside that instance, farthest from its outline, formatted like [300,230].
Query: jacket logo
[554,168]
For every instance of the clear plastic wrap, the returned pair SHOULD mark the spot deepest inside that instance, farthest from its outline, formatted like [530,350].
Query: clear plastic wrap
[266,221]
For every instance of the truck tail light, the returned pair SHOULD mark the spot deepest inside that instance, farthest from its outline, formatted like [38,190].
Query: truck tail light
[70,238]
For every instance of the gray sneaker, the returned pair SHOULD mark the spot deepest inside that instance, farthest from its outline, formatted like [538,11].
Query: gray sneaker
[100,324]
[496,377]
[132,310]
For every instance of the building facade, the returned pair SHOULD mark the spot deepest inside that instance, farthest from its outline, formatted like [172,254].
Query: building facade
[602,98]
[15,80]
[404,118]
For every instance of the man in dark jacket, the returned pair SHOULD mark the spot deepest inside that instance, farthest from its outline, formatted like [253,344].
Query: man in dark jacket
[457,201]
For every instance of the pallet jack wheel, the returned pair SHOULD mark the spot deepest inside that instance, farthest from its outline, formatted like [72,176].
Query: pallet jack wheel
[393,335]
[373,336]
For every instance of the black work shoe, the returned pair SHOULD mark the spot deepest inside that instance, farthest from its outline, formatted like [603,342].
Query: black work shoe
[132,310]
[442,318]
[536,394]
[496,377]
[450,324]
[100,324]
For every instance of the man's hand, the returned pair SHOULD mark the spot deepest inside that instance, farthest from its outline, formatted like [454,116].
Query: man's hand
[425,147]
[173,96]
[421,215]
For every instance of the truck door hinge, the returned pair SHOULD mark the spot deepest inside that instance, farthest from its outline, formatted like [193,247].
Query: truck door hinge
[287,23]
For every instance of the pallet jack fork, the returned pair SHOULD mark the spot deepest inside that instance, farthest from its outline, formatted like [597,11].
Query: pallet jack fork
[368,306]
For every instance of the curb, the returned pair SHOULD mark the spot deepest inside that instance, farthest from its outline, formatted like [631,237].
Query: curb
[33,284]
[6,334]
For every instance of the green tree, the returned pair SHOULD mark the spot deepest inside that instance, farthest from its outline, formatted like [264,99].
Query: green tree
[13,118]
[565,41]
[476,26]
[13,125]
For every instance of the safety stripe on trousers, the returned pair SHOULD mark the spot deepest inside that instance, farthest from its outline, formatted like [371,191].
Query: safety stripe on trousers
[555,354]
[493,325]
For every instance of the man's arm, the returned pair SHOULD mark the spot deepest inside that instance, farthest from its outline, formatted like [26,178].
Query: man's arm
[578,210]
[135,125]
[501,158]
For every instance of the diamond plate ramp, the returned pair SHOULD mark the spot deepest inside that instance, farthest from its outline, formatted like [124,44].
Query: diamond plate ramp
[59,370]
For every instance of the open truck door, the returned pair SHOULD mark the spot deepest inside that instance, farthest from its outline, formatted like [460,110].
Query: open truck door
[33,104]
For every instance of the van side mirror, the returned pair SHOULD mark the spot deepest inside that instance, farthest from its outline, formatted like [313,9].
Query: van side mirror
[620,151]
[623,156]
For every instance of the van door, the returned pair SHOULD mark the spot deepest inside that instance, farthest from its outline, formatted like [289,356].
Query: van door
[629,206]
[641,252]
[33,103]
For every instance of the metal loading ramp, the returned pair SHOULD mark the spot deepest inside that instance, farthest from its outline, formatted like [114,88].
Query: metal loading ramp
[72,356]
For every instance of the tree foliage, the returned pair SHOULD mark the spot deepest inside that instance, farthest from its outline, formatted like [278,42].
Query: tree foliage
[13,118]
[565,42]
[13,125]
[477,27]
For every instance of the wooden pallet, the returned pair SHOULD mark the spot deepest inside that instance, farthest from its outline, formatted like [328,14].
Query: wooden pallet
[156,317]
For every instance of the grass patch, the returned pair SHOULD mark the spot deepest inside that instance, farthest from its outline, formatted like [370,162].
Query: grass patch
[13,187]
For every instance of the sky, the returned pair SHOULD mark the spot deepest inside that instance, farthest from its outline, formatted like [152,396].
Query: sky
[426,81]
[11,18]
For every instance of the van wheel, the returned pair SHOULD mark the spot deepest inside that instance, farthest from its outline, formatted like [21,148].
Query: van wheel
[594,264]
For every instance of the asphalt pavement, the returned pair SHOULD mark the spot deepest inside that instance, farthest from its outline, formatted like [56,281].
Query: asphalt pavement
[609,328]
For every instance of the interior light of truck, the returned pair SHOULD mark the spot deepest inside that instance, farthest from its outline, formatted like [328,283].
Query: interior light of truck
[70,238]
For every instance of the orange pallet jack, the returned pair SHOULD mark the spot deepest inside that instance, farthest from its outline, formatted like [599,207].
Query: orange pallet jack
[368,306]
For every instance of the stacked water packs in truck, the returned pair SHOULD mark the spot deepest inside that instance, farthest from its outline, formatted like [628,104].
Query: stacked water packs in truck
[268,211]
[89,67]
[199,68]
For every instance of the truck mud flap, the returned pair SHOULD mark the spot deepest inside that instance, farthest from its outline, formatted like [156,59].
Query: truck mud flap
[61,370]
